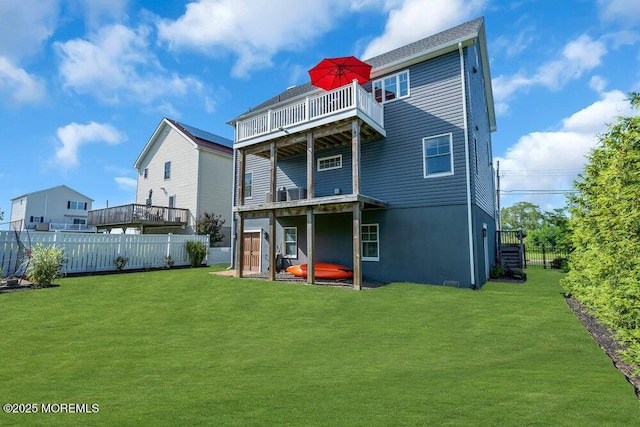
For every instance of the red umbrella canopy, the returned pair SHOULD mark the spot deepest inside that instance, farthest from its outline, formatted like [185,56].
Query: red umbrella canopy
[331,73]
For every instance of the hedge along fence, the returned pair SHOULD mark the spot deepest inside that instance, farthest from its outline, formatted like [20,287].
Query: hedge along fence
[87,253]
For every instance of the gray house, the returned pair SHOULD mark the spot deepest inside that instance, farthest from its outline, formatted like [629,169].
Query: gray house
[392,178]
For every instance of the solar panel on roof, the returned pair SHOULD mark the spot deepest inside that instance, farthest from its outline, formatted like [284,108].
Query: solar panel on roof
[207,136]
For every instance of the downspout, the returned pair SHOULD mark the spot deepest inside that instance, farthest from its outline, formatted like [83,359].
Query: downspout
[233,203]
[463,84]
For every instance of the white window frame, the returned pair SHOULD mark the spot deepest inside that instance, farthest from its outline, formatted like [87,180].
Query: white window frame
[167,171]
[327,159]
[250,196]
[377,241]
[284,242]
[382,84]
[77,205]
[424,156]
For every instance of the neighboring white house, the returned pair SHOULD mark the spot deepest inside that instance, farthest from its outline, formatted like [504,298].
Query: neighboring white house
[56,208]
[185,167]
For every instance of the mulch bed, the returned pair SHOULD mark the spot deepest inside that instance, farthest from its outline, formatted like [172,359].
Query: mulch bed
[605,339]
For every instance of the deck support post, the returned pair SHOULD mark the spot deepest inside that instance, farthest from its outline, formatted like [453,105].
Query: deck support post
[273,160]
[272,245]
[355,156]
[357,247]
[241,173]
[240,245]
[311,237]
[310,166]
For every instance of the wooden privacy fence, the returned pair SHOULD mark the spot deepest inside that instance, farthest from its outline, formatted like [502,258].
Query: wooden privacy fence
[88,253]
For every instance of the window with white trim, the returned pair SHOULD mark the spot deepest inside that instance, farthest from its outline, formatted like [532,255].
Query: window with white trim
[76,205]
[391,87]
[370,242]
[437,155]
[290,242]
[330,162]
[79,221]
[248,183]
[167,170]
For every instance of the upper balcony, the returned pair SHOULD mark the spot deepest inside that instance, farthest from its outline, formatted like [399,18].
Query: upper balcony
[323,112]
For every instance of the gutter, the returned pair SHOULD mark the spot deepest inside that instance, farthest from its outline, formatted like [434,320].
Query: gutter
[463,84]
[233,201]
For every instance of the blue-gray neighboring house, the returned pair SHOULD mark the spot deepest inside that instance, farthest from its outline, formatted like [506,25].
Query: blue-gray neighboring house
[393,178]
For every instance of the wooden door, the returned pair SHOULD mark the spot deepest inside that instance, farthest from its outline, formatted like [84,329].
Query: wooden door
[251,256]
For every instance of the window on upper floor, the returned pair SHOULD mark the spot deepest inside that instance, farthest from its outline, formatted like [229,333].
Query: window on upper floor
[331,162]
[391,87]
[437,155]
[146,173]
[248,184]
[370,242]
[167,170]
[290,242]
[75,205]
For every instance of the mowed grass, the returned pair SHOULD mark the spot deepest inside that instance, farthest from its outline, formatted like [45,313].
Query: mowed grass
[184,347]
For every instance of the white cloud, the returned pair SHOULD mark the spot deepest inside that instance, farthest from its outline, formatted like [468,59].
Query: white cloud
[115,64]
[577,57]
[252,30]
[18,87]
[413,20]
[620,11]
[74,135]
[551,161]
[98,11]
[126,183]
[27,24]
[598,83]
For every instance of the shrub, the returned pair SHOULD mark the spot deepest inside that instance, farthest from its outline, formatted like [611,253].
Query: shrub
[560,263]
[196,252]
[497,271]
[45,264]
[170,261]
[120,262]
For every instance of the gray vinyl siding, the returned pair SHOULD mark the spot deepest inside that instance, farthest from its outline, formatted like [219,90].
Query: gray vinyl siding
[481,159]
[392,169]
[419,245]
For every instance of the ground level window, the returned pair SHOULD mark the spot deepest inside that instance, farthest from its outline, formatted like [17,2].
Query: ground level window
[370,242]
[437,156]
[290,242]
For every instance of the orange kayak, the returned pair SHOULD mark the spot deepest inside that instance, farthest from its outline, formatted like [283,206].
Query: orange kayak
[323,270]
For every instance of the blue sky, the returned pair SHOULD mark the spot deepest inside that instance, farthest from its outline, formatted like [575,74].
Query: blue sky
[83,84]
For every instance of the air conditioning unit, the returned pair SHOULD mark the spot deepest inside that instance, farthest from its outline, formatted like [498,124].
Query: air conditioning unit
[296,193]
[281,195]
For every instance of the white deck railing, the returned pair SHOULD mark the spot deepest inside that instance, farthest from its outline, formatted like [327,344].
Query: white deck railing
[312,108]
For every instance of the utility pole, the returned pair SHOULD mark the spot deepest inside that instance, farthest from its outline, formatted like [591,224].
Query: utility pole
[498,193]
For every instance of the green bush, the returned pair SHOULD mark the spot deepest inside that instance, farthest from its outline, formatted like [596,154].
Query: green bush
[45,264]
[497,271]
[196,251]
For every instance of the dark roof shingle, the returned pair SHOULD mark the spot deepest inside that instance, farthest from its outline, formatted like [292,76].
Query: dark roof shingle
[441,39]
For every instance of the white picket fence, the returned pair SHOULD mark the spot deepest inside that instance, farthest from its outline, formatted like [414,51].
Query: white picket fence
[88,253]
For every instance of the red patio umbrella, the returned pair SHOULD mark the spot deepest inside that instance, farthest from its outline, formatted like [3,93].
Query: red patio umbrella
[331,73]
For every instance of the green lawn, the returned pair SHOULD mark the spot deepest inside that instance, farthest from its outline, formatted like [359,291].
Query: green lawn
[183,347]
